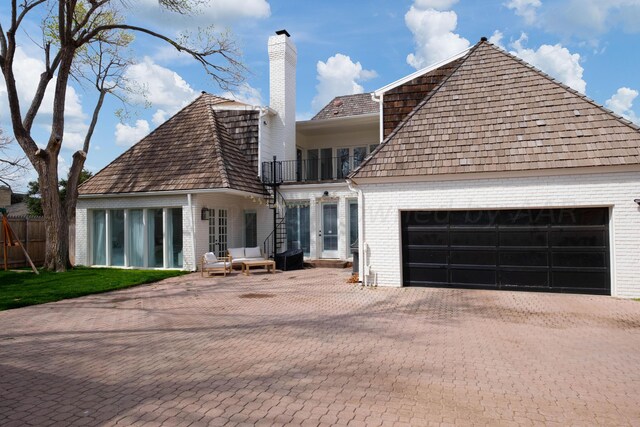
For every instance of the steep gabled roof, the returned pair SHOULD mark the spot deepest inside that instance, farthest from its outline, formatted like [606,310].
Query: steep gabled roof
[496,113]
[348,105]
[192,150]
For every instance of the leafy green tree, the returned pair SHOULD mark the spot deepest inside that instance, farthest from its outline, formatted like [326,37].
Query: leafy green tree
[88,41]
[33,195]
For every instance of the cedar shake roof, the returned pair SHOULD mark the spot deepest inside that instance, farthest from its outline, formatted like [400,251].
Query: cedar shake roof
[348,105]
[201,147]
[496,113]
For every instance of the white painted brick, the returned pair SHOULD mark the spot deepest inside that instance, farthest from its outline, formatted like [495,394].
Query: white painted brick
[383,203]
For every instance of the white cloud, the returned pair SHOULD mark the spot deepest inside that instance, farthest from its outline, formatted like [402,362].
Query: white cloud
[339,76]
[245,93]
[496,39]
[209,12]
[525,8]
[435,4]
[433,33]
[127,135]
[590,18]
[161,87]
[554,60]
[27,70]
[622,103]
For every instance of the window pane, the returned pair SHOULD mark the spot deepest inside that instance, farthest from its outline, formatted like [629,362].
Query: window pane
[136,238]
[359,153]
[298,231]
[116,223]
[312,165]
[343,162]
[372,147]
[154,237]
[250,229]
[326,166]
[174,237]
[222,232]
[353,222]
[99,238]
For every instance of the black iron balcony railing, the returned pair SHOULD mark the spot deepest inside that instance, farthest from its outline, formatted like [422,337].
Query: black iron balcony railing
[309,170]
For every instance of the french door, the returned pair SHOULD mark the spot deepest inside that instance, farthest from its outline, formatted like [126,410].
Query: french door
[218,221]
[329,231]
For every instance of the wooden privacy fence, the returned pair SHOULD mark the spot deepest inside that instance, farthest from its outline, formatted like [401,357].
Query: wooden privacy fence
[30,231]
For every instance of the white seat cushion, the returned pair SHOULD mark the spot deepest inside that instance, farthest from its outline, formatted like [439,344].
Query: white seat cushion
[236,252]
[253,252]
[220,264]
[210,257]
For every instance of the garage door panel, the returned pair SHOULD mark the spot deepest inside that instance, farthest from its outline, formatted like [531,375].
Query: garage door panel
[560,250]
[519,278]
[524,238]
[524,258]
[421,274]
[579,259]
[426,255]
[427,237]
[473,257]
[588,238]
[473,276]
[473,237]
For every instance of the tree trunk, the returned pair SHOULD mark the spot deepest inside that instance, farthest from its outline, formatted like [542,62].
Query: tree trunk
[56,221]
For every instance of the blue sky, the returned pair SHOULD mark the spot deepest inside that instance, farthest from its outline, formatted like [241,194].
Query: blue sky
[350,47]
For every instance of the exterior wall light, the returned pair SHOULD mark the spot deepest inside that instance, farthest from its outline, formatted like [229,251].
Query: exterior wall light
[637,201]
[325,194]
[204,214]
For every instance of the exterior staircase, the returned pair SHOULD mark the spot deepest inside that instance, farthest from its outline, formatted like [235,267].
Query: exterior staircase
[277,239]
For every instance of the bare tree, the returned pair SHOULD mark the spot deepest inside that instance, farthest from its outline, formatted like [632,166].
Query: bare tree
[10,165]
[87,40]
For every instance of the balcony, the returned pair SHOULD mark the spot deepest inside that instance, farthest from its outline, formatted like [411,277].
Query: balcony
[309,170]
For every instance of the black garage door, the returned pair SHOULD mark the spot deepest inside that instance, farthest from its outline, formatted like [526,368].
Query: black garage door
[553,250]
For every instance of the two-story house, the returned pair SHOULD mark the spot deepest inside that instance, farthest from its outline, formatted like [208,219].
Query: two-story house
[480,171]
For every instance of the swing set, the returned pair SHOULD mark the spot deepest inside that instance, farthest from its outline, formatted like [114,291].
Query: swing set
[9,239]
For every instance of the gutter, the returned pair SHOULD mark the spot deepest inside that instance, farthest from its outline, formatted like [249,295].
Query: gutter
[170,193]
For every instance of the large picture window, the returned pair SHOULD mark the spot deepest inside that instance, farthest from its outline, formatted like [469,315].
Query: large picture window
[136,238]
[116,226]
[298,228]
[148,238]
[174,238]
[99,246]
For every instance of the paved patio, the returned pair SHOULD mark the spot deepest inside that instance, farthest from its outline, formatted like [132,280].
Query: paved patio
[305,348]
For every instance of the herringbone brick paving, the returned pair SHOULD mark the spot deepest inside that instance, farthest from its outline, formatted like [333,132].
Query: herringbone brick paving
[305,348]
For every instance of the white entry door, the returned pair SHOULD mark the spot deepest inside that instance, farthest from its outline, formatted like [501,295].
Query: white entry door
[329,231]
[218,232]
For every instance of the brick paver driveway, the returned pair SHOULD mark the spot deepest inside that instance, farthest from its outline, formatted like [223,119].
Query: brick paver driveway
[306,348]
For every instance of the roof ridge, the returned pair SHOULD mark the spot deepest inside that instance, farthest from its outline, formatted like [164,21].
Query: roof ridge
[564,86]
[406,119]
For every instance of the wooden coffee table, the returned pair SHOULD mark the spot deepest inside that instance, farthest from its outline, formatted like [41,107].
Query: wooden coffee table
[268,265]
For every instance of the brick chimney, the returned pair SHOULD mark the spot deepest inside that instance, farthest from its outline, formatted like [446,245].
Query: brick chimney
[282,97]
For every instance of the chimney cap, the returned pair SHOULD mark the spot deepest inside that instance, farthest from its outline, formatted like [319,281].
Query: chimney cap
[483,39]
[283,32]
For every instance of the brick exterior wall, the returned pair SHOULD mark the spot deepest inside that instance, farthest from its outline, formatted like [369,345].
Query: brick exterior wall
[383,203]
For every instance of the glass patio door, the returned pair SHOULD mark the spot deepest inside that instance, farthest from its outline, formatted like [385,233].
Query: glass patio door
[218,232]
[329,230]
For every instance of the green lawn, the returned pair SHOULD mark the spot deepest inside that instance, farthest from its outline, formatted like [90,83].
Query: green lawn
[22,289]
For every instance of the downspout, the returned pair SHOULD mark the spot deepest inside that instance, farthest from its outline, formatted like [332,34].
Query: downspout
[361,243]
[194,266]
